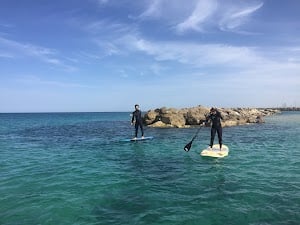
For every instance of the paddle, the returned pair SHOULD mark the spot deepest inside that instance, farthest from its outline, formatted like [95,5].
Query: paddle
[189,145]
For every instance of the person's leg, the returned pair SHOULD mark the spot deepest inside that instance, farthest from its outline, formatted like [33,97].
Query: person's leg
[136,126]
[212,136]
[142,129]
[219,130]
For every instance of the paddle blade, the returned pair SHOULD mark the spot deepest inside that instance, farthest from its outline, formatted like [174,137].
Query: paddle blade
[188,146]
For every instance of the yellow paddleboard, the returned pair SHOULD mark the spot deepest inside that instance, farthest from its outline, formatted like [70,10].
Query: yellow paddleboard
[215,151]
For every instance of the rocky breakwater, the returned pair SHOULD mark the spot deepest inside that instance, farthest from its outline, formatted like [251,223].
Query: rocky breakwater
[186,117]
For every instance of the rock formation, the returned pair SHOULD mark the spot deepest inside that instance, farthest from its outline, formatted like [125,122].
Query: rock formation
[186,117]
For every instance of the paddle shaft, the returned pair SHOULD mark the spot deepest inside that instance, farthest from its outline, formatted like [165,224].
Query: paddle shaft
[189,145]
[197,132]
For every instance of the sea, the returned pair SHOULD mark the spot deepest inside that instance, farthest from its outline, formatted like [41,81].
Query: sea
[77,169]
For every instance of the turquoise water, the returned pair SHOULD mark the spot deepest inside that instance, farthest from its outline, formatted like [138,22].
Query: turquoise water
[74,168]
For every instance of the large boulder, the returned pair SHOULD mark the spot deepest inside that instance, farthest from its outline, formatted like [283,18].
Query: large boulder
[173,117]
[230,114]
[229,123]
[151,117]
[259,119]
[196,115]
[160,124]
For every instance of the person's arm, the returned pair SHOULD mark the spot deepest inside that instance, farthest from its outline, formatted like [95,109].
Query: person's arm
[132,119]
[207,117]
[220,115]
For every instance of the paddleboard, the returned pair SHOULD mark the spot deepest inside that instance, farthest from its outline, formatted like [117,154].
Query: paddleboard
[215,151]
[139,139]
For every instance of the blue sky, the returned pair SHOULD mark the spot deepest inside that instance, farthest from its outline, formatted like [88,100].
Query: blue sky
[107,55]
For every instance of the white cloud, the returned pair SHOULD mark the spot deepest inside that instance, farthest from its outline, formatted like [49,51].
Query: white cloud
[234,16]
[235,67]
[168,12]
[17,49]
[105,32]
[203,11]
[157,69]
[153,10]
[27,49]
[197,55]
[6,55]
[201,15]
[38,82]
[106,27]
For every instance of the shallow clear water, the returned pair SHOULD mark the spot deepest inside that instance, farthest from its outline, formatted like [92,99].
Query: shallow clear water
[75,168]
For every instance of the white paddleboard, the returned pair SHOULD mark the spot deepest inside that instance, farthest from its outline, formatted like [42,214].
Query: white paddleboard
[215,151]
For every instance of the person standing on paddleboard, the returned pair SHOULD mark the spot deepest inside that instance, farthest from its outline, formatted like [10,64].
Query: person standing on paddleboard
[137,120]
[215,118]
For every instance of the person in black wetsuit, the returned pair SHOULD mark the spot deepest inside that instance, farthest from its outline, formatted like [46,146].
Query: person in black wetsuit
[215,117]
[137,120]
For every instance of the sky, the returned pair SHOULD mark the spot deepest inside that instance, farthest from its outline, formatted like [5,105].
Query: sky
[108,55]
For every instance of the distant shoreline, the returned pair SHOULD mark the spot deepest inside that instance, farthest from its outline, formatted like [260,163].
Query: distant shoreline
[284,108]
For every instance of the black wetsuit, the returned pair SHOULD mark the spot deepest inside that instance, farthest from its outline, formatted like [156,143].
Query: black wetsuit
[137,117]
[216,127]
